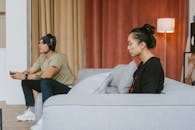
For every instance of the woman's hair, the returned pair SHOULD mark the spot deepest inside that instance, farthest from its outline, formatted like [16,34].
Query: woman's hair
[145,34]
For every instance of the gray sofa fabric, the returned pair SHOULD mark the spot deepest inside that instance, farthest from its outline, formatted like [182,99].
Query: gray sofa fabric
[174,109]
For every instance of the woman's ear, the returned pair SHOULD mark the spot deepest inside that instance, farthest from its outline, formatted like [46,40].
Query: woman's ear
[143,45]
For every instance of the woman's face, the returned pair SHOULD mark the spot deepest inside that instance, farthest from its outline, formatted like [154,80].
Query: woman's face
[43,47]
[134,47]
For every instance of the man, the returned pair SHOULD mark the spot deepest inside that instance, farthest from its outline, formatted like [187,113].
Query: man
[50,75]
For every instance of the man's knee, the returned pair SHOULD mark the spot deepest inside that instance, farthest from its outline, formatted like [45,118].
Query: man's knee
[45,83]
[46,80]
[46,88]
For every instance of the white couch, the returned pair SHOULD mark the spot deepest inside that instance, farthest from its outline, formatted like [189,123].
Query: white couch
[174,109]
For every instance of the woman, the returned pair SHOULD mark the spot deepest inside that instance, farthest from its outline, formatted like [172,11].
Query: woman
[149,76]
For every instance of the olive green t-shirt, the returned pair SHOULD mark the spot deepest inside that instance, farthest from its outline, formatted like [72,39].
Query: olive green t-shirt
[58,60]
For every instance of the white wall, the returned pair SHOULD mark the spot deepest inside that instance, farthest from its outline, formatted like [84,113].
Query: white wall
[16,47]
[2,75]
[2,51]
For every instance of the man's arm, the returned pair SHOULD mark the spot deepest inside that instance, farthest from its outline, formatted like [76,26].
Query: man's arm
[33,75]
[21,75]
[48,73]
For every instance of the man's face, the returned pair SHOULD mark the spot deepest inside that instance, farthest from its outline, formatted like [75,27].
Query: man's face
[43,47]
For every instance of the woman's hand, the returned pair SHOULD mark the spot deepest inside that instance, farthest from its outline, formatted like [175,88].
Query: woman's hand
[17,75]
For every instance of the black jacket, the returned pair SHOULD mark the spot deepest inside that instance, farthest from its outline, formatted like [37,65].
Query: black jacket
[149,77]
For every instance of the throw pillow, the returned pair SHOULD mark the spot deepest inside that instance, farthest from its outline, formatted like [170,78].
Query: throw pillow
[95,84]
[116,75]
[127,77]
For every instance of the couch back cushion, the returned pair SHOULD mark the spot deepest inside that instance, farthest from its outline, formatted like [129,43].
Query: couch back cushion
[123,76]
[88,72]
[95,84]
[117,72]
[127,77]
[172,86]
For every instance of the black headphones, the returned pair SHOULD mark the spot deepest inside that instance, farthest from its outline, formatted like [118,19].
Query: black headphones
[50,41]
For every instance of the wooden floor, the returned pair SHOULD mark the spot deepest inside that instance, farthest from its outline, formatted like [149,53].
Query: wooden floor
[9,117]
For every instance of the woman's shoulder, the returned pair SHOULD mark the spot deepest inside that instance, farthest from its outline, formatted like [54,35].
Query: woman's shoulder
[154,61]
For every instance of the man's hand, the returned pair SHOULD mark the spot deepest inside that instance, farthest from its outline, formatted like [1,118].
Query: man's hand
[17,75]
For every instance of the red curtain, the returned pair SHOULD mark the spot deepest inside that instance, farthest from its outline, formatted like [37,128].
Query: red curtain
[108,23]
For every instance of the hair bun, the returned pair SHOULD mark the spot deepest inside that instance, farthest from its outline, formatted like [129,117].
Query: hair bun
[149,28]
